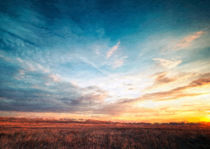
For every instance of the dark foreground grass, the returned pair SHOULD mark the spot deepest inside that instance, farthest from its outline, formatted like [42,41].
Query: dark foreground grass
[45,134]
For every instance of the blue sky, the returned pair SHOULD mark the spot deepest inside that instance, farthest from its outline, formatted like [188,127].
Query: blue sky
[97,57]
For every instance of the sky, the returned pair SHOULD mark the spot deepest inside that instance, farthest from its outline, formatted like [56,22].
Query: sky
[139,61]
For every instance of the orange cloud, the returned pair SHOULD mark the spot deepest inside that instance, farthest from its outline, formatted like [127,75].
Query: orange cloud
[186,42]
[162,78]
[171,94]
[130,108]
[200,81]
[112,50]
[179,91]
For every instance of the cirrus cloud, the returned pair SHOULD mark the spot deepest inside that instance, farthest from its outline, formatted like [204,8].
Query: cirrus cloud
[186,42]
[112,50]
[165,63]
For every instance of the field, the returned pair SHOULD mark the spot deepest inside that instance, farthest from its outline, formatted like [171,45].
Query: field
[70,134]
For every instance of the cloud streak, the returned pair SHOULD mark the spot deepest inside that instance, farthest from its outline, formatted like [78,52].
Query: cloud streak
[162,78]
[118,62]
[127,105]
[165,63]
[112,50]
[178,92]
[187,41]
[54,77]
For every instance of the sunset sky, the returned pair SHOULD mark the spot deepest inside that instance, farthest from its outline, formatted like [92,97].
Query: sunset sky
[126,60]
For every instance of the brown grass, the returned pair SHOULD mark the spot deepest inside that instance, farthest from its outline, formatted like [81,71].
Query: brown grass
[54,134]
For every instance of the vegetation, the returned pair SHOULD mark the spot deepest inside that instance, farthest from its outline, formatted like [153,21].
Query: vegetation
[69,134]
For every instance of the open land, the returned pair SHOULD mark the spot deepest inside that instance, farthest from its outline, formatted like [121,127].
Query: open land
[21,133]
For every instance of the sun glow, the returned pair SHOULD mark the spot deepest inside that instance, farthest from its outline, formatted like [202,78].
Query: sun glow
[205,118]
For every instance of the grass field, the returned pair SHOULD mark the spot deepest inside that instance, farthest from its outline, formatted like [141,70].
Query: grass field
[69,134]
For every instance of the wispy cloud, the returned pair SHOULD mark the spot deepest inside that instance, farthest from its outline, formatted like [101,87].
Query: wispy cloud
[165,63]
[187,41]
[163,78]
[179,91]
[112,50]
[128,106]
[59,96]
[167,80]
[32,66]
[118,62]
[87,61]
[54,77]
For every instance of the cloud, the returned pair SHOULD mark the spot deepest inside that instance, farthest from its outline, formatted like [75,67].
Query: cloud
[87,101]
[112,50]
[118,62]
[127,105]
[60,97]
[32,66]
[179,91]
[93,65]
[186,42]
[4,57]
[112,109]
[201,81]
[39,90]
[54,77]
[161,78]
[170,79]
[169,64]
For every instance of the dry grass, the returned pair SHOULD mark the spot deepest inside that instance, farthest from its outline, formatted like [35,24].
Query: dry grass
[43,134]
